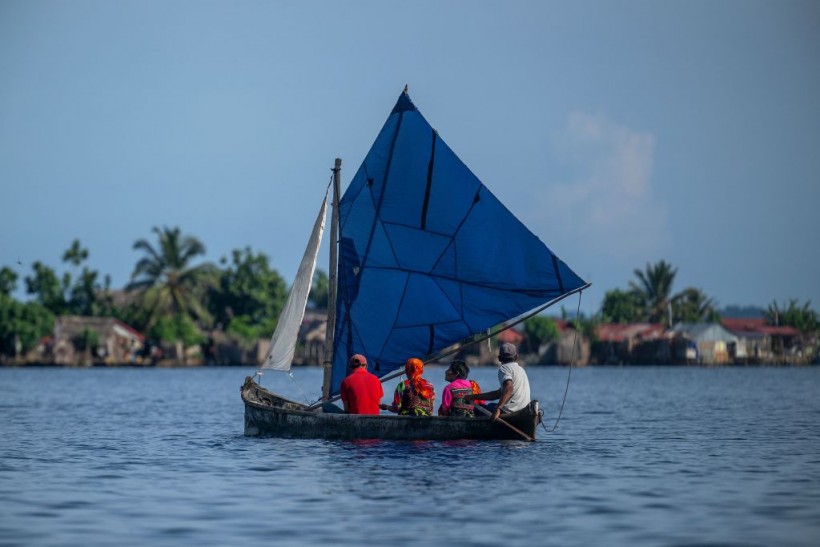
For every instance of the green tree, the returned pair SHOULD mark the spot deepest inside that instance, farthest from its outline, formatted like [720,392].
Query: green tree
[249,331]
[176,328]
[8,281]
[803,318]
[622,307]
[249,297]
[168,280]
[76,254]
[654,287]
[540,330]
[84,297]
[22,325]
[692,306]
[319,290]
[48,289]
[104,299]
[65,295]
[172,287]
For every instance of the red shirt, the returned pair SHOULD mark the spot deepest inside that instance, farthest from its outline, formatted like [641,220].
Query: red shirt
[361,392]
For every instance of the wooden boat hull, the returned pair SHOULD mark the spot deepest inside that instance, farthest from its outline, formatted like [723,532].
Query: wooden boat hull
[269,415]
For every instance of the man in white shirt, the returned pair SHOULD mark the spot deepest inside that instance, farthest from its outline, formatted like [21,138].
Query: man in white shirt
[514,393]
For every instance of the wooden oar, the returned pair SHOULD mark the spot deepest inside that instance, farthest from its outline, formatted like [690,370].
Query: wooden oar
[505,422]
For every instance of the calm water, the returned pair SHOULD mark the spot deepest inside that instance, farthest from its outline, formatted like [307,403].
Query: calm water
[647,456]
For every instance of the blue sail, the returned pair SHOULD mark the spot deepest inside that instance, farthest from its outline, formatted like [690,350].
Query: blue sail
[428,256]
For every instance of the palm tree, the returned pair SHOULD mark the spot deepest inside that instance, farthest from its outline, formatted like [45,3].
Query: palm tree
[691,305]
[793,314]
[76,254]
[654,289]
[170,285]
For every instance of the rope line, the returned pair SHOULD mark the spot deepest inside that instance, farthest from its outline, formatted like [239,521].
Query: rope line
[299,387]
[569,373]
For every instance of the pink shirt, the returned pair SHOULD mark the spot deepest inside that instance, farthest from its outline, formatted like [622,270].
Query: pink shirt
[447,396]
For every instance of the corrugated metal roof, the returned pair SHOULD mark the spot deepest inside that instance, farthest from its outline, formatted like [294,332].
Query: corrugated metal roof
[705,332]
[743,323]
[756,326]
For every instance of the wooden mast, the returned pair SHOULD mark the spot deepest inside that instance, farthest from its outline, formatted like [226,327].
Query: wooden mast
[332,282]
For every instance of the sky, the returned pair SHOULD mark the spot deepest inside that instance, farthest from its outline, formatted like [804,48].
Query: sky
[621,133]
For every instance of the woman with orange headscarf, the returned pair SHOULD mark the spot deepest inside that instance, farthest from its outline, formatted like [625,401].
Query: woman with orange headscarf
[414,396]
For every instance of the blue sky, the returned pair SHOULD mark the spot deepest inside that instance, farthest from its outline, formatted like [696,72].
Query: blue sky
[621,133]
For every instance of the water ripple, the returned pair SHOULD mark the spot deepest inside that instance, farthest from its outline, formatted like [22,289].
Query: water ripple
[642,456]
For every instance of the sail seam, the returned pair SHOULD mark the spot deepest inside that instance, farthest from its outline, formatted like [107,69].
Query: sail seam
[348,201]
[531,290]
[415,326]
[460,308]
[429,182]
[378,210]
[557,272]
[413,227]
[454,234]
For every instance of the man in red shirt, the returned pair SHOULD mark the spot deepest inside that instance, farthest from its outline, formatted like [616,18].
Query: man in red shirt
[361,391]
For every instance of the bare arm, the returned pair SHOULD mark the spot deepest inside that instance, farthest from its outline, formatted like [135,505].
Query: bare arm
[484,396]
[506,390]
[503,395]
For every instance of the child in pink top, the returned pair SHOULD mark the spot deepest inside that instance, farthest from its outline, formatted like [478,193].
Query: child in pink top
[452,403]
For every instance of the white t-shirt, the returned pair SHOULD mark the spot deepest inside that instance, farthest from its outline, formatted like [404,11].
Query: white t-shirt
[520,386]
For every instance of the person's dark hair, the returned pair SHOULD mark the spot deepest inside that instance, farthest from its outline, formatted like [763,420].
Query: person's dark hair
[460,369]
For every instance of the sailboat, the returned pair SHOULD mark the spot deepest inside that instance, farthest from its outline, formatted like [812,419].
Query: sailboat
[424,261]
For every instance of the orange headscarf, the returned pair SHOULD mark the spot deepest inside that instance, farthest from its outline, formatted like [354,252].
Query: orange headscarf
[413,368]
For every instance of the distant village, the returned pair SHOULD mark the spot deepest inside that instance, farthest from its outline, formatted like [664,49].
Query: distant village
[176,312]
[732,341]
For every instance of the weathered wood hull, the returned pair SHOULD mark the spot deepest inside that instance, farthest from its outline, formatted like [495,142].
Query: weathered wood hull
[269,415]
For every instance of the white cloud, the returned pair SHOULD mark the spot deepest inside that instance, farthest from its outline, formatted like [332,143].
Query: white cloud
[606,205]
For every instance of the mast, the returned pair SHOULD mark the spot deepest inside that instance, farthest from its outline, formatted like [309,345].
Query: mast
[332,281]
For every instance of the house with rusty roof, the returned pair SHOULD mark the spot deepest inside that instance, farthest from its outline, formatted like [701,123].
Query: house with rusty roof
[630,343]
[759,342]
[82,340]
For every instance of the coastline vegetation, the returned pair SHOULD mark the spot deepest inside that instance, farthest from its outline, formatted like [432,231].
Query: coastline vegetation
[175,297]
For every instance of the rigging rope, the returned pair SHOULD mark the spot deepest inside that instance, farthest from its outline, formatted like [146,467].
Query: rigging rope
[259,374]
[299,387]
[569,373]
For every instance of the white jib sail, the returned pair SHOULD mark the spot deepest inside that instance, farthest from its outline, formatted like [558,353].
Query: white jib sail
[283,341]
